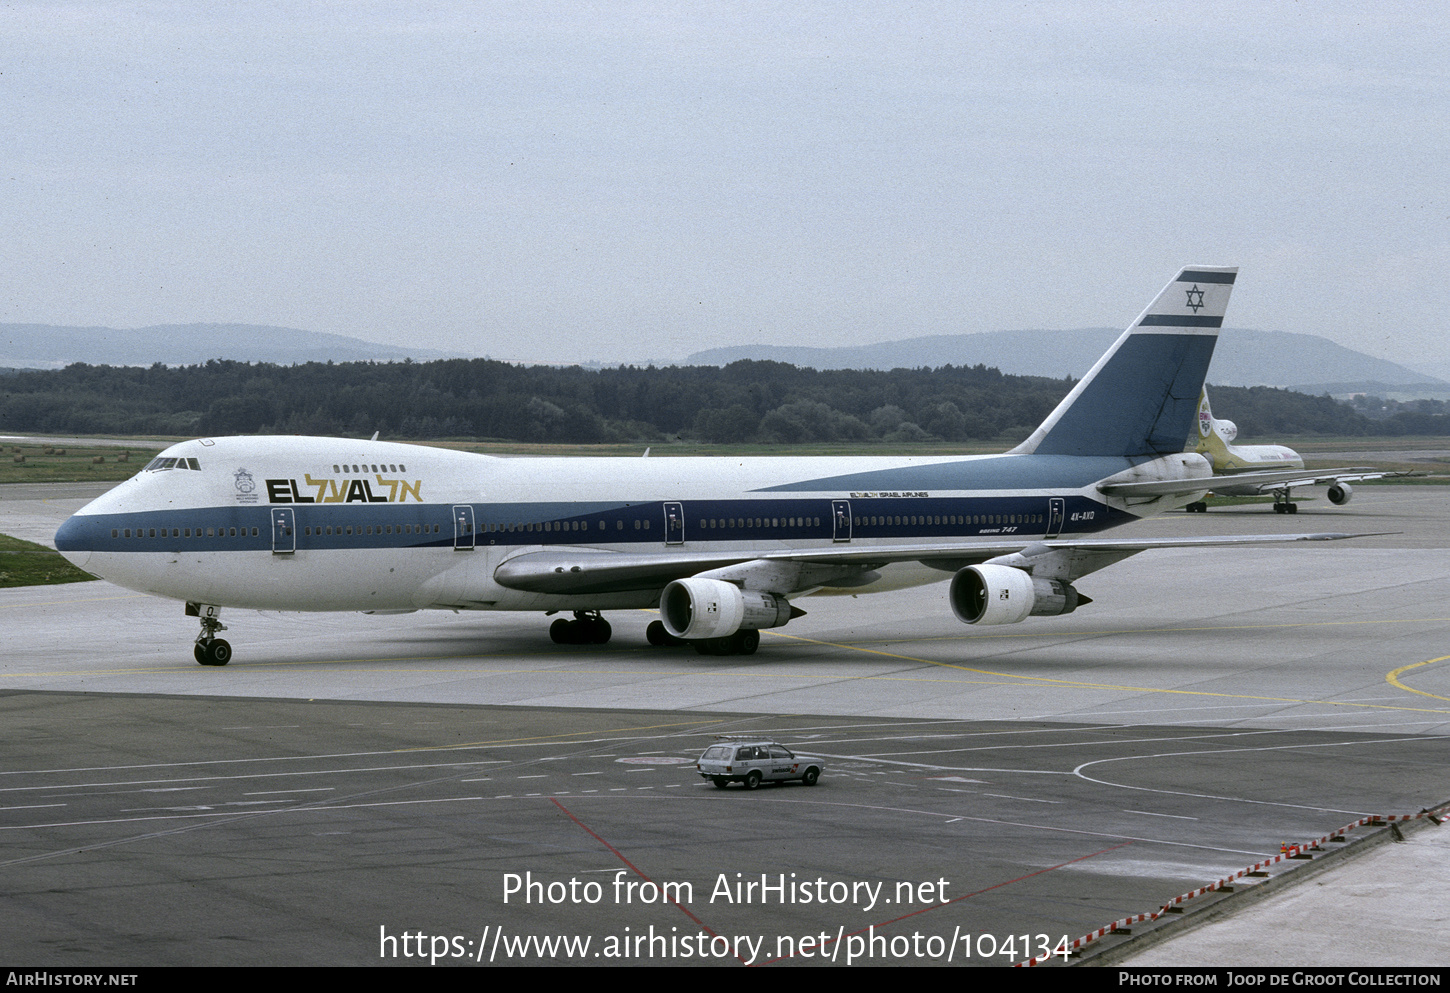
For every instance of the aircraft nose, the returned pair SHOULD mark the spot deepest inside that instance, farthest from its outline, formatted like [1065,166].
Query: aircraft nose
[70,541]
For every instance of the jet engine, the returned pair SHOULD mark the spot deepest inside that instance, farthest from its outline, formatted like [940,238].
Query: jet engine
[1340,493]
[1000,594]
[713,608]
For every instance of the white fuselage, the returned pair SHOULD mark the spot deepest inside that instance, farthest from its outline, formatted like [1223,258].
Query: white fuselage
[293,523]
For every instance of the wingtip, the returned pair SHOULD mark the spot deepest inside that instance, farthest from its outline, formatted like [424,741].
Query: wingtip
[1340,536]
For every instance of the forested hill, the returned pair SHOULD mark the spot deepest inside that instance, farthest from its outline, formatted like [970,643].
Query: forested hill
[748,401]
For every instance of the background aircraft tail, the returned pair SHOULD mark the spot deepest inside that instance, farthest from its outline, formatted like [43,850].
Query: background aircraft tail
[1214,435]
[1141,397]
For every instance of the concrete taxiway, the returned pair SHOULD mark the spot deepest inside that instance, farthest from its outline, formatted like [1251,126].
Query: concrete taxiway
[1210,705]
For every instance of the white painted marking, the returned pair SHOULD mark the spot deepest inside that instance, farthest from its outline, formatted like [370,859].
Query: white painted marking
[1149,813]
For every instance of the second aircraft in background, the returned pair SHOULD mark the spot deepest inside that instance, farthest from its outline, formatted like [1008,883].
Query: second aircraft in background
[1259,469]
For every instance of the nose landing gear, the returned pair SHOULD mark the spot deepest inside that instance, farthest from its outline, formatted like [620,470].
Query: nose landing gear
[209,649]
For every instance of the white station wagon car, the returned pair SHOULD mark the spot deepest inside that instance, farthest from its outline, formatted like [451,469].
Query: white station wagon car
[753,761]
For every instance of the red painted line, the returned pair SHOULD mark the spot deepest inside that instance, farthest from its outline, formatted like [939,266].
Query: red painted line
[638,872]
[1288,852]
[967,896]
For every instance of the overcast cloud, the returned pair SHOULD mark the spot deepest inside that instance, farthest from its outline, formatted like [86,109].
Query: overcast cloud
[567,182]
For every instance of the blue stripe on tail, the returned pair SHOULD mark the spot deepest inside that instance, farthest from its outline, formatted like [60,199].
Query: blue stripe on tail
[1140,399]
[1143,402]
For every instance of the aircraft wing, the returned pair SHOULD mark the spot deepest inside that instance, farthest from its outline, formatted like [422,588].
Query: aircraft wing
[1326,478]
[585,571]
[1255,482]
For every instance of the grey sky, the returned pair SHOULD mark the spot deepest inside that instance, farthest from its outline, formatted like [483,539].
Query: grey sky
[564,182]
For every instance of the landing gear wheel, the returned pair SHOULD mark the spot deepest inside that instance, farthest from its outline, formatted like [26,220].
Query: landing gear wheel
[812,775]
[214,652]
[739,643]
[752,780]
[720,782]
[597,631]
[584,629]
[658,636]
[712,646]
[209,649]
[1198,507]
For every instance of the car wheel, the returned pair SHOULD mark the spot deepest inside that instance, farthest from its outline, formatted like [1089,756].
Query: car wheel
[752,779]
[811,777]
[720,782]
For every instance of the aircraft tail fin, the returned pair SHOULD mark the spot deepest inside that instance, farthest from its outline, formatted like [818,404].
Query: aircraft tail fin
[1213,435]
[1141,397]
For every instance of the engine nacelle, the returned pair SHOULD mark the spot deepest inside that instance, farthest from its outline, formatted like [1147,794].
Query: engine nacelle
[1340,493]
[713,608]
[1227,430]
[1000,594]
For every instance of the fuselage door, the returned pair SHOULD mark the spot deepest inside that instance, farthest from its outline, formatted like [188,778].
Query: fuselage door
[284,531]
[840,520]
[1055,513]
[463,527]
[674,524]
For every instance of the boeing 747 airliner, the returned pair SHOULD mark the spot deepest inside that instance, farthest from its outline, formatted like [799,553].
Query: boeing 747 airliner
[723,546]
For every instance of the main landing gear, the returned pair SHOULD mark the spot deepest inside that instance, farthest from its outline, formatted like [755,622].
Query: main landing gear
[1282,503]
[587,628]
[739,643]
[209,649]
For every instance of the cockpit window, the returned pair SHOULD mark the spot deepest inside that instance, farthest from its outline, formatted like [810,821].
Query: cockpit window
[158,464]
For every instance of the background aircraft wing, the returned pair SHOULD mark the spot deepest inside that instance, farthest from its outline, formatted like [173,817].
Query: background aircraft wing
[1260,482]
[585,571]
[1328,478]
